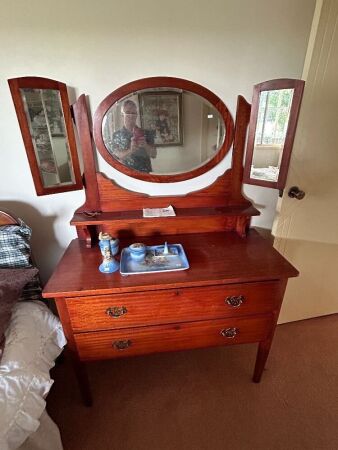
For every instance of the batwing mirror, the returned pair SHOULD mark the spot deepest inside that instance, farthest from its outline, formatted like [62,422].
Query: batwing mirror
[273,120]
[43,112]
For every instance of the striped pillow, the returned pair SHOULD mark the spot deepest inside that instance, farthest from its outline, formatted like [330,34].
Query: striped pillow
[15,253]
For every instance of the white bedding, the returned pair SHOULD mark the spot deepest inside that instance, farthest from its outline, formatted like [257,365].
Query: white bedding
[33,340]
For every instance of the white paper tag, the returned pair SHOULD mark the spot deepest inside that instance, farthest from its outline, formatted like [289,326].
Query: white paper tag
[159,212]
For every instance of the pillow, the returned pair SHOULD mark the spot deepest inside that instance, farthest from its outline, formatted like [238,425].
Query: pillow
[11,283]
[14,245]
[15,252]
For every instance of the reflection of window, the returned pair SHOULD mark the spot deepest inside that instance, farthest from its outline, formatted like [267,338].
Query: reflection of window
[273,116]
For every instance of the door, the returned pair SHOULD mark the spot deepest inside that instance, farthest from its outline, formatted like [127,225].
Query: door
[306,231]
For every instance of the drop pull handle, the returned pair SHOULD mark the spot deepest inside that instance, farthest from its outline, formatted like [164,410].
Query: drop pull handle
[122,345]
[235,300]
[229,333]
[116,311]
[295,192]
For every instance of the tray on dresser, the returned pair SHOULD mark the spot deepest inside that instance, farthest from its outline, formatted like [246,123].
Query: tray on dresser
[155,260]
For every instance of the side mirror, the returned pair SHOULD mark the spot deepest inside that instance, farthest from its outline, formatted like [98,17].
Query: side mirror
[44,116]
[273,120]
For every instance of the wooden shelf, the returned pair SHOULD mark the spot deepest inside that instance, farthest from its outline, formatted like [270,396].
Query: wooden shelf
[81,219]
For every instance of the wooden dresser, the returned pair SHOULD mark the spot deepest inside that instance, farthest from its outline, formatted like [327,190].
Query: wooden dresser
[232,292]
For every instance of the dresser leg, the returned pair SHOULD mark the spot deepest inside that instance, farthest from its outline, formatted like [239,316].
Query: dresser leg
[262,356]
[83,381]
[79,367]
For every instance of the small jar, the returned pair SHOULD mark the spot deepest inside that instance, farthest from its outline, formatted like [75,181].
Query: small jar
[137,251]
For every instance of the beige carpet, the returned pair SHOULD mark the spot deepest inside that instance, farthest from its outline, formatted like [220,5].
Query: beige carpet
[204,399]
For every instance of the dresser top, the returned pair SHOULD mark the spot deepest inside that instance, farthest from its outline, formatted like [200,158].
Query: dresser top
[214,258]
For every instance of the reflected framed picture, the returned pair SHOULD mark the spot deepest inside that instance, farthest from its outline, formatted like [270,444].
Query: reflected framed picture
[161,117]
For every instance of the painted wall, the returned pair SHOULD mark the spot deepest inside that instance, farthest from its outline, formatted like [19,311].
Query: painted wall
[226,45]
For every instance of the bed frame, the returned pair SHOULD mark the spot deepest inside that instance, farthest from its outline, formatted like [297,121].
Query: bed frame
[7,219]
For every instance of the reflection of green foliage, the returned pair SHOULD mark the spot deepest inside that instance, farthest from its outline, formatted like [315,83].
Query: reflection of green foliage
[273,115]
[282,118]
[286,95]
[273,99]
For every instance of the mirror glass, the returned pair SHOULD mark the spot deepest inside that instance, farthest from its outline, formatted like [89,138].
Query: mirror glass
[46,122]
[163,131]
[271,128]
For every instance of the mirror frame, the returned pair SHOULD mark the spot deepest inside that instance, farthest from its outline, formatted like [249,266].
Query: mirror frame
[162,82]
[282,83]
[15,85]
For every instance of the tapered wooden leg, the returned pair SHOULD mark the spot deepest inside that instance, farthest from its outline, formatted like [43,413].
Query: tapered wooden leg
[264,346]
[262,356]
[79,366]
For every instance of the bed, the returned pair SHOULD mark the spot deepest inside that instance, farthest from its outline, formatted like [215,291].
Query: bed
[32,338]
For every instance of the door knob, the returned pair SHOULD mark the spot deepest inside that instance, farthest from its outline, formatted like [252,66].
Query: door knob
[295,192]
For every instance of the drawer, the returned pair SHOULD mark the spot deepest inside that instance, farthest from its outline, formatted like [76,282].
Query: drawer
[143,340]
[173,305]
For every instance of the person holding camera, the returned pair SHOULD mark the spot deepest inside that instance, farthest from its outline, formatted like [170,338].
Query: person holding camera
[132,145]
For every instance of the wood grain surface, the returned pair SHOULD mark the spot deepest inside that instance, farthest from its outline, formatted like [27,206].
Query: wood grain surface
[144,340]
[172,305]
[215,258]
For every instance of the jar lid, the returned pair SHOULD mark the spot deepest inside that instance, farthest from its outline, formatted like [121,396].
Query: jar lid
[104,236]
[137,247]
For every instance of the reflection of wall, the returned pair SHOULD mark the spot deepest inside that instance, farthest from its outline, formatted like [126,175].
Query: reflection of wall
[226,45]
[59,159]
[185,157]
[266,155]
[61,156]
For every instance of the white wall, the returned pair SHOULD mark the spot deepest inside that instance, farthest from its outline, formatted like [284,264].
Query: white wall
[95,47]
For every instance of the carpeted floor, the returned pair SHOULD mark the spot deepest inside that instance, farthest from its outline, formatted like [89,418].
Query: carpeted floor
[205,400]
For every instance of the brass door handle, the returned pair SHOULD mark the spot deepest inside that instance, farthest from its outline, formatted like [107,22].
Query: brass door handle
[235,300]
[116,311]
[122,345]
[295,192]
[229,333]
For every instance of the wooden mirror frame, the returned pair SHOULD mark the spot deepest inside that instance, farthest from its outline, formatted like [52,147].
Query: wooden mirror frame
[15,85]
[162,82]
[283,83]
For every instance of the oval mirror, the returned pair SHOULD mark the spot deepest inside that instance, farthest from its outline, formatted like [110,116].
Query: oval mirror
[163,129]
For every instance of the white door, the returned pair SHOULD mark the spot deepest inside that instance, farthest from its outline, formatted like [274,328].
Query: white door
[306,231]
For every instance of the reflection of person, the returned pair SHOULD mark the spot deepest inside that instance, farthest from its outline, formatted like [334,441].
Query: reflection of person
[132,145]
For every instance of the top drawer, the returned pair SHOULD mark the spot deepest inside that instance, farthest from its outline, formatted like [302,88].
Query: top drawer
[173,305]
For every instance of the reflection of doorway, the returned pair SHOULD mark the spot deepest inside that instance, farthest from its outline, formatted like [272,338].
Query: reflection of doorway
[307,231]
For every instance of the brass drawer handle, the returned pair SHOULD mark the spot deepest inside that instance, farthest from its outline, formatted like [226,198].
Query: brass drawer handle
[116,311]
[235,300]
[122,345]
[229,333]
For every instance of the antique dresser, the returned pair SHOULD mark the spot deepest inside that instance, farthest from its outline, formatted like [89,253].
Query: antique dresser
[233,290]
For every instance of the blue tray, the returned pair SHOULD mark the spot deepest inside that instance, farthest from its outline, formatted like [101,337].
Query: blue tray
[155,260]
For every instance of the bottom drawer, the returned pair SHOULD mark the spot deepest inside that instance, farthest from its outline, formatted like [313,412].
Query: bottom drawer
[163,338]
